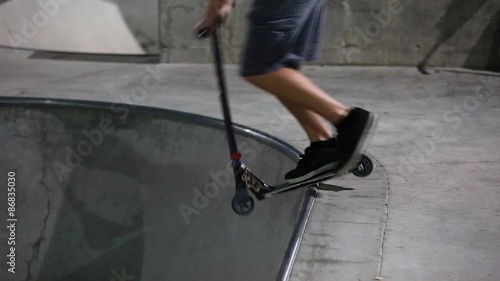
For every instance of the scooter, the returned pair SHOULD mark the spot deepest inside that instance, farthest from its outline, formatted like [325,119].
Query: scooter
[246,182]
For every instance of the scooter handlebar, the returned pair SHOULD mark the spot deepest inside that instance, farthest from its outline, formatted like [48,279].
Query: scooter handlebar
[203,34]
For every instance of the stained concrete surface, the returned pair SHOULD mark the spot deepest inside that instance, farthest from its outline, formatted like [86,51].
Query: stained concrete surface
[103,193]
[430,210]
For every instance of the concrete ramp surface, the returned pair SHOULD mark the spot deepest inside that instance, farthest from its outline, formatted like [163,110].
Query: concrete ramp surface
[119,192]
[89,26]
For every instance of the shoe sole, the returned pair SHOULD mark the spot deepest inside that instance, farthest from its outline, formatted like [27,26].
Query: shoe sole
[363,142]
[312,174]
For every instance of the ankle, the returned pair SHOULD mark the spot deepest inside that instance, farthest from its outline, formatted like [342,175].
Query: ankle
[341,116]
[323,143]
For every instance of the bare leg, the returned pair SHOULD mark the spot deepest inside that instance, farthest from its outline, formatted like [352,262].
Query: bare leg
[313,124]
[294,88]
[309,104]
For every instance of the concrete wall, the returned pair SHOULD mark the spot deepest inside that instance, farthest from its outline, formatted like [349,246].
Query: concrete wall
[455,33]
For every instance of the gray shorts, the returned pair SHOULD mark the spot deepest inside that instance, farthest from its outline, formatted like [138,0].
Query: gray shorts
[282,33]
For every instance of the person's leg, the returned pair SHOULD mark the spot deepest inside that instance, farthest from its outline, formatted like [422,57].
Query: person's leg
[312,123]
[280,36]
[276,45]
[291,85]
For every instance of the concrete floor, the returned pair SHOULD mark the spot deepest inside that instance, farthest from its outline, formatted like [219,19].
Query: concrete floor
[432,211]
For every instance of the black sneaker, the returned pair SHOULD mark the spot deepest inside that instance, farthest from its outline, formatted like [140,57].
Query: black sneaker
[314,161]
[353,136]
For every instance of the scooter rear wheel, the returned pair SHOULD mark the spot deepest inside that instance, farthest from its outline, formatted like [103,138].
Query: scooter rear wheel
[365,167]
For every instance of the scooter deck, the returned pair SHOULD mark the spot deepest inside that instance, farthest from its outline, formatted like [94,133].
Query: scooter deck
[285,187]
[261,190]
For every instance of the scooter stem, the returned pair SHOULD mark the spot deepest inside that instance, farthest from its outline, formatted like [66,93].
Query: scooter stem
[223,96]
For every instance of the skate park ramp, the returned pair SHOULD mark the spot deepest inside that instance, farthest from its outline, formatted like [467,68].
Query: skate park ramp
[122,192]
[87,26]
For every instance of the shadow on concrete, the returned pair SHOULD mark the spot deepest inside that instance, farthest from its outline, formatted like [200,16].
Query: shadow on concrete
[95,57]
[334,188]
[486,52]
[99,233]
[458,13]
[142,19]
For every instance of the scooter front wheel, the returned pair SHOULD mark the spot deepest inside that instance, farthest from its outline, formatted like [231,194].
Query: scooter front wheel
[242,207]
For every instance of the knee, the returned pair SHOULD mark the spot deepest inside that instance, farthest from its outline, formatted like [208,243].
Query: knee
[252,79]
[246,78]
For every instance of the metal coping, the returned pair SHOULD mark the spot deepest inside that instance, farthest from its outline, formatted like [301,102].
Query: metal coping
[289,151]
